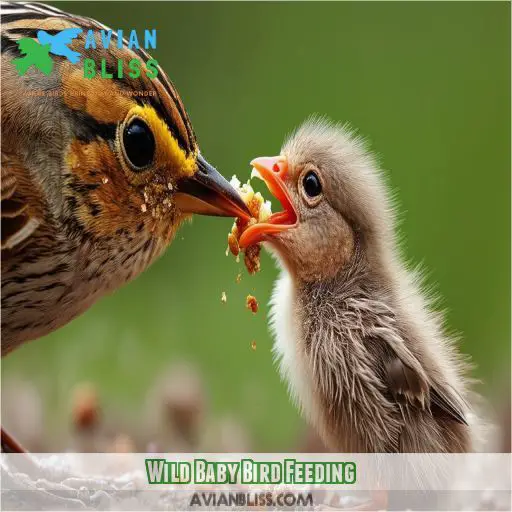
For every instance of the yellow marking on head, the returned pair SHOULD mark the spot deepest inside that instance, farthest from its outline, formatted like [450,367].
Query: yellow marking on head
[172,106]
[168,152]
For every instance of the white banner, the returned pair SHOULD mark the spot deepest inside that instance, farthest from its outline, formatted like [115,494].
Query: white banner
[245,481]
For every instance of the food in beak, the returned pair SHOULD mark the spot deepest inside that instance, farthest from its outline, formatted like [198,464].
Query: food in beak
[207,192]
[247,234]
[273,171]
[260,211]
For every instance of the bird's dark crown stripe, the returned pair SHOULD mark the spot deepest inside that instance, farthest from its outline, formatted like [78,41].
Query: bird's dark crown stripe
[32,7]
[169,87]
[29,32]
[8,44]
[171,90]
[156,103]
[18,16]
[20,11]
[47,8]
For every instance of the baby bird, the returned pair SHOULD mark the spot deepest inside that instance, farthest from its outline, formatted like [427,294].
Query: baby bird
[365,358]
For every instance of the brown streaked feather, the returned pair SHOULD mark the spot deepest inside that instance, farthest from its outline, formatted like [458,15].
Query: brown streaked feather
[99,223]
[18,223]
[94,92]
[165,100]
[39,24]
[8,183]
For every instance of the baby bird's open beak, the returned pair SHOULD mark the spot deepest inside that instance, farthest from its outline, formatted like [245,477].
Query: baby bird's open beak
[273,171]
[207,192]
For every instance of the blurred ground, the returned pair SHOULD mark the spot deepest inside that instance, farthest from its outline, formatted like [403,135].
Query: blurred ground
[427,83]
[176,416]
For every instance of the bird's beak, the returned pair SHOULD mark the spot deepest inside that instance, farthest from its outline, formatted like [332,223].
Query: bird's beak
[273,171]
[207,192]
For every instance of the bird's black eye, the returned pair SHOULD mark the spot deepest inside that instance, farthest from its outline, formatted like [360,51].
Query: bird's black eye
[311,184]
[139,144]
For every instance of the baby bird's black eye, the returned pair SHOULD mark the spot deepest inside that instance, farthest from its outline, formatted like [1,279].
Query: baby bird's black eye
[139,144]
[312,185]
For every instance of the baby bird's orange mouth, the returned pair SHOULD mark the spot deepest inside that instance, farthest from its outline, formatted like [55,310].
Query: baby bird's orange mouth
[273,170]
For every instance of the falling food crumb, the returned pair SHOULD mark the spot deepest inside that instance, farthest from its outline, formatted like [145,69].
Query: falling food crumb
[252,258]
[252,303]
[253,345]
[239,278]
[223,298]
[104,180]
[143,207]
[169,186]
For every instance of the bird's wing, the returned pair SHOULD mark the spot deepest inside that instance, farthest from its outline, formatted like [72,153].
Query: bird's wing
[409,388]
[405,384]
[447,402]
[18,223]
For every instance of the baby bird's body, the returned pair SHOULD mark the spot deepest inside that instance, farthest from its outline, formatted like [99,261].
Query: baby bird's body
[337,346]
[364,357]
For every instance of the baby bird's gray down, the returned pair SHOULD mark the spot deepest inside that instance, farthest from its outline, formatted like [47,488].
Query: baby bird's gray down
[365,357]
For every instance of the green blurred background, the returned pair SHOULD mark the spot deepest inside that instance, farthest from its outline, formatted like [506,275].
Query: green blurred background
[427,83]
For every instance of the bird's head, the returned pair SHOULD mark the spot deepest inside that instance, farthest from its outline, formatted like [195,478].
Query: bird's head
[145,169]
[335,204]
[118,149]
[135,161]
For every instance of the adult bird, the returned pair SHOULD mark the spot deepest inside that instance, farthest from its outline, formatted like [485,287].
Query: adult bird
[364,356]
[97,174]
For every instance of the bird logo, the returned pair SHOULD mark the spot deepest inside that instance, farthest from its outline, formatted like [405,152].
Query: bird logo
[58,43]
[33,54]
[37,54]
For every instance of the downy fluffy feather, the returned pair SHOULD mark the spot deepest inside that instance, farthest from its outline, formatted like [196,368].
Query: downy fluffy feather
[365,356]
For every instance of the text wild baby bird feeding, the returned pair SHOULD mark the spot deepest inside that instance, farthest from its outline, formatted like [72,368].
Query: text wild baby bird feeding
[365,358]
